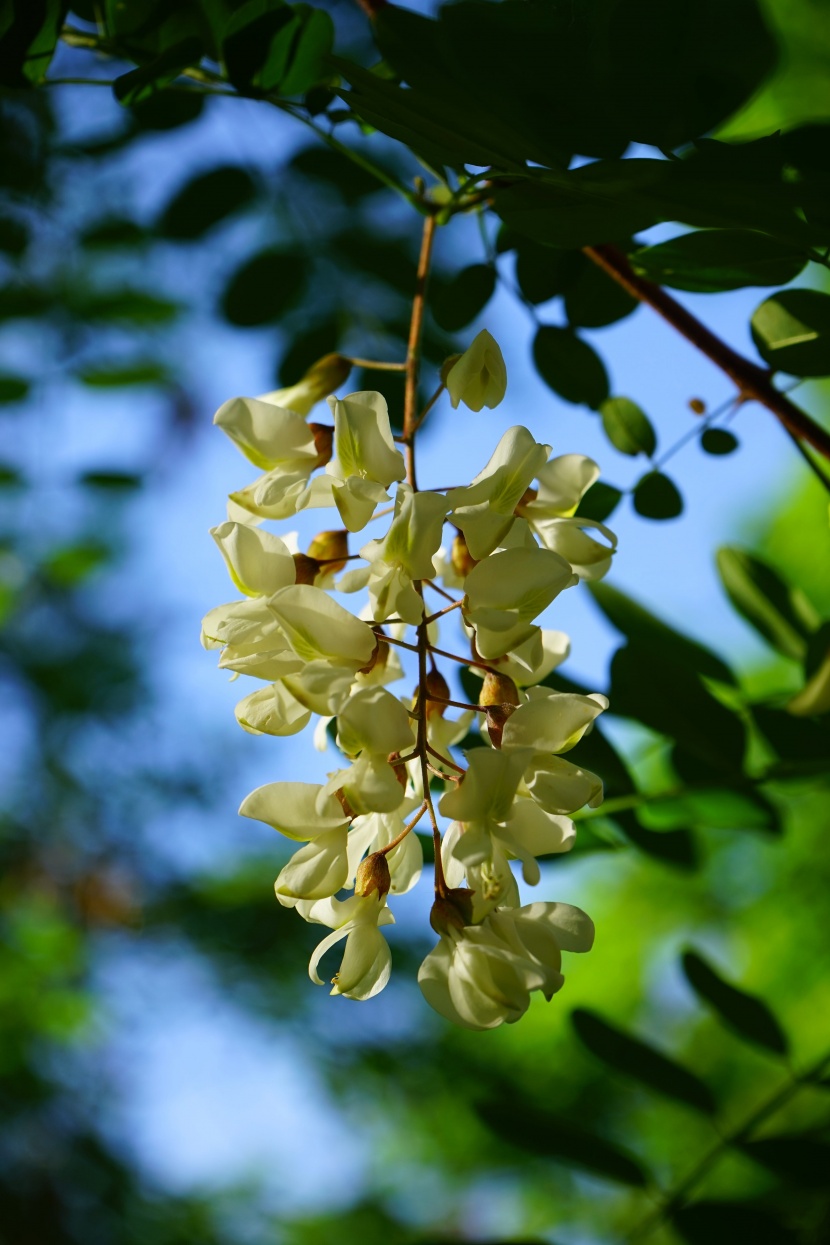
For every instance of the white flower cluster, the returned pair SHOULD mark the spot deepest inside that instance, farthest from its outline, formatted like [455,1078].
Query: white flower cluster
[516,546]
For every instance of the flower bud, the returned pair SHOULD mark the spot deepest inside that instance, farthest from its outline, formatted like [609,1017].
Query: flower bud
[478,378]
[373,875]
[436,685]
[331,548]
[460,556]
[447,366]
[400,770]
[697,405]
[500,696]
[323,435]
[307,568]
[452,911]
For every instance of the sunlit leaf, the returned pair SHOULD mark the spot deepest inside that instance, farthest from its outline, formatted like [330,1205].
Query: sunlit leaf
[780,613]
[792,332]
[627,427]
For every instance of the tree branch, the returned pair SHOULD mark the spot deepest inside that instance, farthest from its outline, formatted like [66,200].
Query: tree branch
[753,381]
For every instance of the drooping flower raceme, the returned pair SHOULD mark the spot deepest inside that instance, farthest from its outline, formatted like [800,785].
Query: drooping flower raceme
[492,557]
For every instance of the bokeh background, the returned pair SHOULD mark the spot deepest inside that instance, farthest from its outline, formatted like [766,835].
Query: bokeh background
[167,1071]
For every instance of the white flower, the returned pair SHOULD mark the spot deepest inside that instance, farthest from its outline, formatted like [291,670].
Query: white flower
[269,436]
[486,509]
[479,377]
[406,553]
[549,509]
[507,590]
[317,628]
[258,562]
[296,810]
[321,379]
[482,976]
[367,960]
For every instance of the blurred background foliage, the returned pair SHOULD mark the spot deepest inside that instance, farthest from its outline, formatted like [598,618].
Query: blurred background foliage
[681,1090]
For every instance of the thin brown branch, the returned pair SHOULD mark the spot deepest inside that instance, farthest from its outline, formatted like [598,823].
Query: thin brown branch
[413,347]
[753,382]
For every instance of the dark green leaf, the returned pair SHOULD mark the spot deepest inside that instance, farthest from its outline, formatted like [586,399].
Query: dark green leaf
[719,259]
[648,632]
[205,200]
[133,18]
[802,744]
[117,375]
[542,272]
[725,1223]
[310,48]
[111,481]
[139,84]
[458,301]
[13,388]
[792,332]
[673,847]
[126,306]
[771,606]
[264,288]
[18,301]
[594,299]
[801,1160]
[14,236]
[748,1016]
[600,502]
[28,37]
[718,441]
[115,232]
[627,427]
[167,110]
[546,1135]
[334,170]
[570,366]
[10,477]
[657,497]
[818,646]
[639,1060]
[668,697]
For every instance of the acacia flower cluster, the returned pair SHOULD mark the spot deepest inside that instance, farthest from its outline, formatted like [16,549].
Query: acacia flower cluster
[495,553]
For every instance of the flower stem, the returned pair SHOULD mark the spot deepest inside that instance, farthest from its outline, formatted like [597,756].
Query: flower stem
[413,348]
[410,825]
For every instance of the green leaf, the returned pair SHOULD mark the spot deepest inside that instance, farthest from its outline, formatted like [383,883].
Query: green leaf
[627,427]
[570,366]
[546,1135]
[13,388]
[642,628]
[139,84]
[10,477]
[205,200]
[594,299]
[112,232]
[668,697]
[126,306]
[725,1223]
[543,272]
[600,502]
[131,18]
[802,744]
[642,1062]
[676,847]
[335,170]
[307,347]
[120,375]
[111,481]
[311,47]
[792,332]
[748,1016]
[264,287]
[167,110]
[14,236]
[778,612]
[268,45]
[800,1160]
[657,497]
[458,301]
[72,565]
[720,259]
[718,441]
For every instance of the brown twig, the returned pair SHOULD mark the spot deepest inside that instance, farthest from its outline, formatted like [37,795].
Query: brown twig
[413,347]
[752,381]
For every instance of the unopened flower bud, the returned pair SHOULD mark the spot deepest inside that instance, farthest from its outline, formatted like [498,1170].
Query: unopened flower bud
[323,435]
[500,696]
[452,911]
[373,875]
[478,378]
[697,405]
[460,556]
[332,548]
[436,685]
[321,379]
[307,569]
